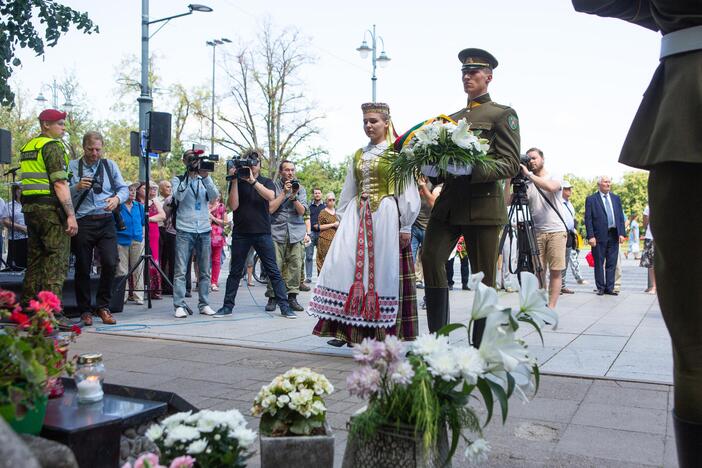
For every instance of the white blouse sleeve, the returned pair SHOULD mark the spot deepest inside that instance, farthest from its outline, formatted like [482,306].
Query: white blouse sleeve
[349,192]
[409,204]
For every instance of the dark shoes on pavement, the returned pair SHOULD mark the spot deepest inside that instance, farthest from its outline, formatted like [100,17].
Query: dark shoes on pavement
[304,287]
[64,323]
[465,287]
[294,305]
[223,312]
[336,343]
[289,314]
[270,306]
[567,291]
[87,318]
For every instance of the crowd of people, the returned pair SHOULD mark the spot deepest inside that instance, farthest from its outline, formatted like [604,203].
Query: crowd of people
[368,287]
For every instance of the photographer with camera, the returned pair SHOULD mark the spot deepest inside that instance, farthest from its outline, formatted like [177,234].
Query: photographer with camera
[192,192]
[289,232]
[250,195]
[545,202]
[97,190]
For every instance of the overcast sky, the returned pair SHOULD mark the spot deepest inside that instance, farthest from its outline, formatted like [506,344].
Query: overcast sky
[575,80]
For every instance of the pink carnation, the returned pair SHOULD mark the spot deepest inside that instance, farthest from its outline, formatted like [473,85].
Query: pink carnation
[147,460]
[50,300]
[186,461]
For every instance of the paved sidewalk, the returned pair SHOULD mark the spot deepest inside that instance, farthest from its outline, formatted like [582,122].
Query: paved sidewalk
[621,337]
[579,422]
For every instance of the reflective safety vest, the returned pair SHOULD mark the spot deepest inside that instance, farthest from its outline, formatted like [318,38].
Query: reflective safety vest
[35,179]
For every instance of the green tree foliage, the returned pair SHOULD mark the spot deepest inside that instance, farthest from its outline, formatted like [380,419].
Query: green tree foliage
[633,190]
[18,19]
[323,174]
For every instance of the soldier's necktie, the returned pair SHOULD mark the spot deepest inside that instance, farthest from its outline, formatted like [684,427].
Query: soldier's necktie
[610,213]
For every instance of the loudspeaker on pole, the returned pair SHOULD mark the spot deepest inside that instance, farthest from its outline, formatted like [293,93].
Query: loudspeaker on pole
[5,146]
[134,143]
[159,140]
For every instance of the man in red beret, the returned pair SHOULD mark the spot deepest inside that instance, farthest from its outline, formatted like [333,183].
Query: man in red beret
[48,210]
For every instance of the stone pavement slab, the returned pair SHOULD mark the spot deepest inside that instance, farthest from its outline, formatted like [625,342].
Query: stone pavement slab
[571,422]
[620,337]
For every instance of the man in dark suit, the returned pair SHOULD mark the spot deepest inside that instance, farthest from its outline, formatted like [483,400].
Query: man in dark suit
[604,223]
[472,205]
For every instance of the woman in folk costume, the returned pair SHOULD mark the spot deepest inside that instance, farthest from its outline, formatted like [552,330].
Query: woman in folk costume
[366,287]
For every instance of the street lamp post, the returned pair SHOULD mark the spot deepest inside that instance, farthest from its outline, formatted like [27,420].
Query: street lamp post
[214,43]
[144,99]
[381,60]
[55,90]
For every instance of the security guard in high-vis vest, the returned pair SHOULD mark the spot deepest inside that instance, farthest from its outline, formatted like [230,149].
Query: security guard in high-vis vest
[47,206]
[472,205]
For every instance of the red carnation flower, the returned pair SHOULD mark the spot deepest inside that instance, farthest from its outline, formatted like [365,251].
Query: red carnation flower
[50,300]
[19,317]
[76,329]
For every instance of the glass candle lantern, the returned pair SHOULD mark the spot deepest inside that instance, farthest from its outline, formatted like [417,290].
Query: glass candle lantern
[89,375]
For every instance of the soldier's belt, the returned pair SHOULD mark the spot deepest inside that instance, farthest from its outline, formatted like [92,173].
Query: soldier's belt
[40,200]
[683,40]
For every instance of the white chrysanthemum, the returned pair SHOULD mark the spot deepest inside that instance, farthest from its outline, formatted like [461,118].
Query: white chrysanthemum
[318,408]
[197,447]
[477,452]
[470,363]
[443,364]
[175,419]
[154,432]
[245,436]
[402,373]
[183,433]
[429,344]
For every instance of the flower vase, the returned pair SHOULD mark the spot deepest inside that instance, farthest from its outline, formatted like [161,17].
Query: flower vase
[298,451]
[395,446]
[31,422]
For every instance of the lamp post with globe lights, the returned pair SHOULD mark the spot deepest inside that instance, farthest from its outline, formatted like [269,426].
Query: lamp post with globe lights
[214,43]
[55,90]
[381,60]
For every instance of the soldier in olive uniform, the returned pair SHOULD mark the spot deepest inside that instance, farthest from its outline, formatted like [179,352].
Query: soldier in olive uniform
[665,139]
[472,205]
[47,206]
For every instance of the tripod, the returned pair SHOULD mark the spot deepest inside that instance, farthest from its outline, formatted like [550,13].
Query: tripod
[527,249]
[10,265]
[146,259]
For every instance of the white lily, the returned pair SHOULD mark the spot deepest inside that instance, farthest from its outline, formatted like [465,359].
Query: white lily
[534,302]
[485,300]
[499,347]
[463,137]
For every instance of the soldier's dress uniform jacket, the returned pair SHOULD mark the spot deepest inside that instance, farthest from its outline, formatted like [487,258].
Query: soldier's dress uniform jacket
[478,199]
[665,138]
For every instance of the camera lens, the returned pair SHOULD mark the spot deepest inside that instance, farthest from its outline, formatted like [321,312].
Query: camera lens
[97,187]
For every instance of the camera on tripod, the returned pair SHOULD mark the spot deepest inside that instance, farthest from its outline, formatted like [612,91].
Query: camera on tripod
[199,161]
[243,165]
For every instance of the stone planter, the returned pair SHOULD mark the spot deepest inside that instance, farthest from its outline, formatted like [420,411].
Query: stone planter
[393,447]
[299,451]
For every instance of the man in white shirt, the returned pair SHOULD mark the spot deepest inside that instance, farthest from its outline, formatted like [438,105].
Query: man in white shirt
[572,250]
[545,202]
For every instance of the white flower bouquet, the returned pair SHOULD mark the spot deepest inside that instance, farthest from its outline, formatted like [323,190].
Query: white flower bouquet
[429,383]
[292,404]
[438,147]
[213,438]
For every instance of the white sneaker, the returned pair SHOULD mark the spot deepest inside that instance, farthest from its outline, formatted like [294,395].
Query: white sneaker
[207,310]
[180,312]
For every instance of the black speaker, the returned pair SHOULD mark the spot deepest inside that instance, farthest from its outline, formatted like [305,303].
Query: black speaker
[135,143]
[5,146]
[159,132]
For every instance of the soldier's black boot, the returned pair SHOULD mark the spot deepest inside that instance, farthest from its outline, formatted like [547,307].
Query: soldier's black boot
[477,335]
[688,439]
[437,300]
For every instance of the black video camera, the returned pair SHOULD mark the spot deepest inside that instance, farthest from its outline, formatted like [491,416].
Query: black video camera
[199,161]
[519,182]
[96,187]
[243,165]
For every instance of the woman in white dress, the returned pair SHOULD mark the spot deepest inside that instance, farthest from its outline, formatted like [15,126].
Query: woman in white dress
[366,287]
